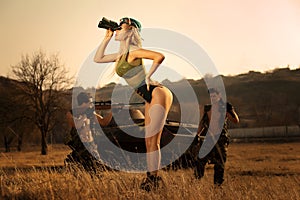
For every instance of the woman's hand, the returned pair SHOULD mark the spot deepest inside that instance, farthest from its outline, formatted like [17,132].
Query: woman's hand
[148,81]
[109,33]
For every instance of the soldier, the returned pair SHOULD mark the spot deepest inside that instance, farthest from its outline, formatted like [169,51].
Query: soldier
[81,138]
[218,154]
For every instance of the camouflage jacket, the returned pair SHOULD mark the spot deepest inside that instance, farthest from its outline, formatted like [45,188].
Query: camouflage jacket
[223,108]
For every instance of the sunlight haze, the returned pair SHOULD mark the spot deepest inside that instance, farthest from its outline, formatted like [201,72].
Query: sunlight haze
[237,35]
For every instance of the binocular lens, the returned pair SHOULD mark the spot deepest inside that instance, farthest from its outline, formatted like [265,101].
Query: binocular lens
[108,24]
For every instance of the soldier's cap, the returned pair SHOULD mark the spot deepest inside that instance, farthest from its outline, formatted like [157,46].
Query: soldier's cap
[213,90]
[83,97]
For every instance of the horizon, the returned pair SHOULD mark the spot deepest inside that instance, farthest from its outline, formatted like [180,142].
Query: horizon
[123,83]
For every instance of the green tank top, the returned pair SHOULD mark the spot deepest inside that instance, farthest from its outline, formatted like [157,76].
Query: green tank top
[126,70]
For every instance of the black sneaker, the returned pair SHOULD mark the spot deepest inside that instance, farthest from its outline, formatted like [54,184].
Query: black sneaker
[151,182]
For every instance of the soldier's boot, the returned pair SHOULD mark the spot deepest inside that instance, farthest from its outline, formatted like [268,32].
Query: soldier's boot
[218,174]
[199,170]
[151,182]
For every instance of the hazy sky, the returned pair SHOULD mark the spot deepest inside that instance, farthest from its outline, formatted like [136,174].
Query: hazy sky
[238,35]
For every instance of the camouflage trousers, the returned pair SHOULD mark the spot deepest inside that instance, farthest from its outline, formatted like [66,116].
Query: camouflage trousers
[87,155]
[218,157]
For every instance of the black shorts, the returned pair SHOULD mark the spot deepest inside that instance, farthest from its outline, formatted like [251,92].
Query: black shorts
[144,93]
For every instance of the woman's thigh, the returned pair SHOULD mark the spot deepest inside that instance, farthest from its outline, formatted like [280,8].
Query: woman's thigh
[156,112]
[162,96]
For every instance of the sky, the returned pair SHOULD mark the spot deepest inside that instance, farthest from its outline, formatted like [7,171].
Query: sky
[238,35]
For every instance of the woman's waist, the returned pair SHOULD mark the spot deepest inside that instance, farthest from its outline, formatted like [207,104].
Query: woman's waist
[137,80]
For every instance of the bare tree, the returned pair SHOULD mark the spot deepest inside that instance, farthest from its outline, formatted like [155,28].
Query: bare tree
[43,79]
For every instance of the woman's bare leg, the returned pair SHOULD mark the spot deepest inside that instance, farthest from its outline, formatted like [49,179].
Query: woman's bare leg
[155,116]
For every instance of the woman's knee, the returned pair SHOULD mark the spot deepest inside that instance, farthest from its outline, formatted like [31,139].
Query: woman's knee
[152,143]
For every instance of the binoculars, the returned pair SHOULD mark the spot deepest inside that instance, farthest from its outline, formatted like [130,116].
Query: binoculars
[108,24]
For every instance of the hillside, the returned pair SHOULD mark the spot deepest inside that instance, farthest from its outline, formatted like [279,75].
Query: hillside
[261,99]
[266,99]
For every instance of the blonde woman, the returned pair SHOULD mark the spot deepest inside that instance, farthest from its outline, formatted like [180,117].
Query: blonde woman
[129,65]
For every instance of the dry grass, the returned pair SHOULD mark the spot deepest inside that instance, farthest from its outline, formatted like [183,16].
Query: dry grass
[31,156]
[253,171]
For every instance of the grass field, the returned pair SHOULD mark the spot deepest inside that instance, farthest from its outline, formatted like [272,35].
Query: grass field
[253,171]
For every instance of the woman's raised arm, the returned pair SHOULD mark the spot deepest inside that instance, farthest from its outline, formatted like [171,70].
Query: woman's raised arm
[100,57]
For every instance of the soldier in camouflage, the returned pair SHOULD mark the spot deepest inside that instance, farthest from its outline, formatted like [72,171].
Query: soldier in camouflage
[82,134]
[218,154]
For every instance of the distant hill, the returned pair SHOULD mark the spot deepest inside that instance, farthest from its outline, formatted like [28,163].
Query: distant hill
[261,99]
[266,99]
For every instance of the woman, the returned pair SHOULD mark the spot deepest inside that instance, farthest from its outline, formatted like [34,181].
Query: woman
[158,98]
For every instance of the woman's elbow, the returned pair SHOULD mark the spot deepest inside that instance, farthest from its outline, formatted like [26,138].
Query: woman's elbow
[161,58]
[97,60]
